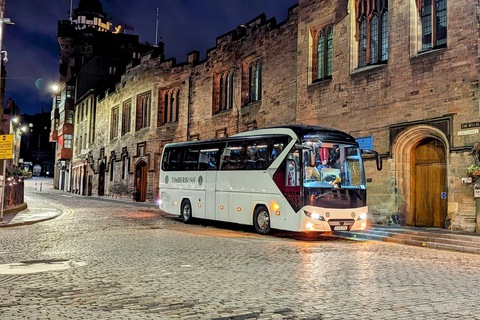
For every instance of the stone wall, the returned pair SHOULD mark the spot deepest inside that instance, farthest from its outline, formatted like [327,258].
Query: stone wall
[412,88]
[196,81]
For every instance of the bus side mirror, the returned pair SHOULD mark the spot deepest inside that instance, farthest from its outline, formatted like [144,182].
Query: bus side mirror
[378,158]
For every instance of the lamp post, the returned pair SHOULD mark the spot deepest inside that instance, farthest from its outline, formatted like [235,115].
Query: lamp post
[3,20]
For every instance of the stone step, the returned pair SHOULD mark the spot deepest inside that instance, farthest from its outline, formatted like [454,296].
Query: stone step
[433,240]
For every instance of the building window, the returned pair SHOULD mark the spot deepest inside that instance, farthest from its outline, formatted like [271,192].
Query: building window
[69,116]
[323,53]
[221,133]
[143,110]
[67,141]
[112,170]
[168,105]
[433,15]
[223,91]
[254,81]
[126,165]
[372,31]
[114,123]
[126,114]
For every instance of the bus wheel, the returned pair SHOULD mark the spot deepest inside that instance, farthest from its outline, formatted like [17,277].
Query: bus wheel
[261,220]
[186,213]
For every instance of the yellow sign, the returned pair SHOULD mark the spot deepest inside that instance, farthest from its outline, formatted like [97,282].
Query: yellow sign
[6,146]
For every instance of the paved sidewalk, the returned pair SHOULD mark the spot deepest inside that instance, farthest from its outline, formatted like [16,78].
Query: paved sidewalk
[35,211]
[38,212]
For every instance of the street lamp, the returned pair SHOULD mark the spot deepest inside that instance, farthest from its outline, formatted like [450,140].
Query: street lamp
[3,20]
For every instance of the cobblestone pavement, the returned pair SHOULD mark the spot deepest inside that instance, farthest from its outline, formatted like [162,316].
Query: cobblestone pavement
[106,260]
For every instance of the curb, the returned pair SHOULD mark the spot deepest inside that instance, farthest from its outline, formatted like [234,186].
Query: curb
[18,224]
[16,209]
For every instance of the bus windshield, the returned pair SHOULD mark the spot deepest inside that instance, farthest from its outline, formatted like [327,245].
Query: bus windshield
[332,165]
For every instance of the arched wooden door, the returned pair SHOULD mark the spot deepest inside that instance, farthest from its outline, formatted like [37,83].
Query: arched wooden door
[101,180]
[429,183]
[141,181]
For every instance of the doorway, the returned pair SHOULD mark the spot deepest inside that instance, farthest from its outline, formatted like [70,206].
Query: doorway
[141,181]
[101,180]
[429,183]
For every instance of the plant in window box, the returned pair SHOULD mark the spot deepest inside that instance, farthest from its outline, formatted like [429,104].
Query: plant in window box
[474,169]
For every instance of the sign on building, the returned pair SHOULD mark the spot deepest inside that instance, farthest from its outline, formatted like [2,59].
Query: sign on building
[6,146]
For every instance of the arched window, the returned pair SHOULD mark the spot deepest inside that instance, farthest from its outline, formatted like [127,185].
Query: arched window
[225,91]
[324,54]
[255,81]
[372,31]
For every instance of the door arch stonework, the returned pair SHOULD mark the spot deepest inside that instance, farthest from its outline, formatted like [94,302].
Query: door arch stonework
[402,148]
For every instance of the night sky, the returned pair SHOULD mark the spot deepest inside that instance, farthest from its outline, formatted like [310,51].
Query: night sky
[184,25]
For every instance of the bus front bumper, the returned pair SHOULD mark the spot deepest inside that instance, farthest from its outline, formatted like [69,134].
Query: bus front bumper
[327,220]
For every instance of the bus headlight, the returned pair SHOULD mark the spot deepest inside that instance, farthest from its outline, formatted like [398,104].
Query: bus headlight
[313,215]
[363,216]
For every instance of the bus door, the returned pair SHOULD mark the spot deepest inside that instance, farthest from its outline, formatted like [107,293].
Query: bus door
[292,188]
[211,178]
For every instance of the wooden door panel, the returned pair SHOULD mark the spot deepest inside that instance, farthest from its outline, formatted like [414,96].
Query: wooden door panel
[430,183]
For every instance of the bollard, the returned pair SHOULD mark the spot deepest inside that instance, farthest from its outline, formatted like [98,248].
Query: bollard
[35,185]
[40,187]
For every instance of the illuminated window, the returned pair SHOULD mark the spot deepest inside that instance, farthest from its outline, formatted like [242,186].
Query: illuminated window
[67,141]
[372,31]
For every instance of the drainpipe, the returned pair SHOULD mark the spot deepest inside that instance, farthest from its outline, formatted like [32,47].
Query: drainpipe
[188,104]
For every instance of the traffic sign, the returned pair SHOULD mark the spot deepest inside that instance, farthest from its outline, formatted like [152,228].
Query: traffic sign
[6,146]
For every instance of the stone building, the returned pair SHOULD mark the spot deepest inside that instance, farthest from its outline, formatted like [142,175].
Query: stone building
[91,58]
[402,75]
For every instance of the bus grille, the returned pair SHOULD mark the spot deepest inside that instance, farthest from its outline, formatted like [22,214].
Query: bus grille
[341,222]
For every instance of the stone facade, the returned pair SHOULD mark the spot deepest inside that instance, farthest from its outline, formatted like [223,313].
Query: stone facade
[413,97]
[196,82]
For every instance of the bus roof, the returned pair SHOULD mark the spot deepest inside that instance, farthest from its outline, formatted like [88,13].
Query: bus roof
[328,134]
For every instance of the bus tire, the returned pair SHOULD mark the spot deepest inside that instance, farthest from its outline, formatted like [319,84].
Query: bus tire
[186,211]
[261,220]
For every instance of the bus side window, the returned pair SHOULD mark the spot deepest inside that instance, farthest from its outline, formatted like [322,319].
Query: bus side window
[233,157]
[166,154]
[175,159]
[208,159]
[190,161]
[275,147]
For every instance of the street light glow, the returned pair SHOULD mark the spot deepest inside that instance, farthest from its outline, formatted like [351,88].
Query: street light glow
[55,88]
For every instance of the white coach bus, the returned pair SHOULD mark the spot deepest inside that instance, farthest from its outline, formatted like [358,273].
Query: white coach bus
[295,178]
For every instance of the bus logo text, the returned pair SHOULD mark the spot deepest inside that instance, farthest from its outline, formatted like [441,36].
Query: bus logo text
[183,180]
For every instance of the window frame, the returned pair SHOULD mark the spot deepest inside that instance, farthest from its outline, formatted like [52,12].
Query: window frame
[126,116]
[322,54]
[168,106]
[114,122]
[144,101]
[429,16]
[368,11]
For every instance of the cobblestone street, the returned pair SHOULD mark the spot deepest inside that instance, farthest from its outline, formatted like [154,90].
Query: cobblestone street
[112,260]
